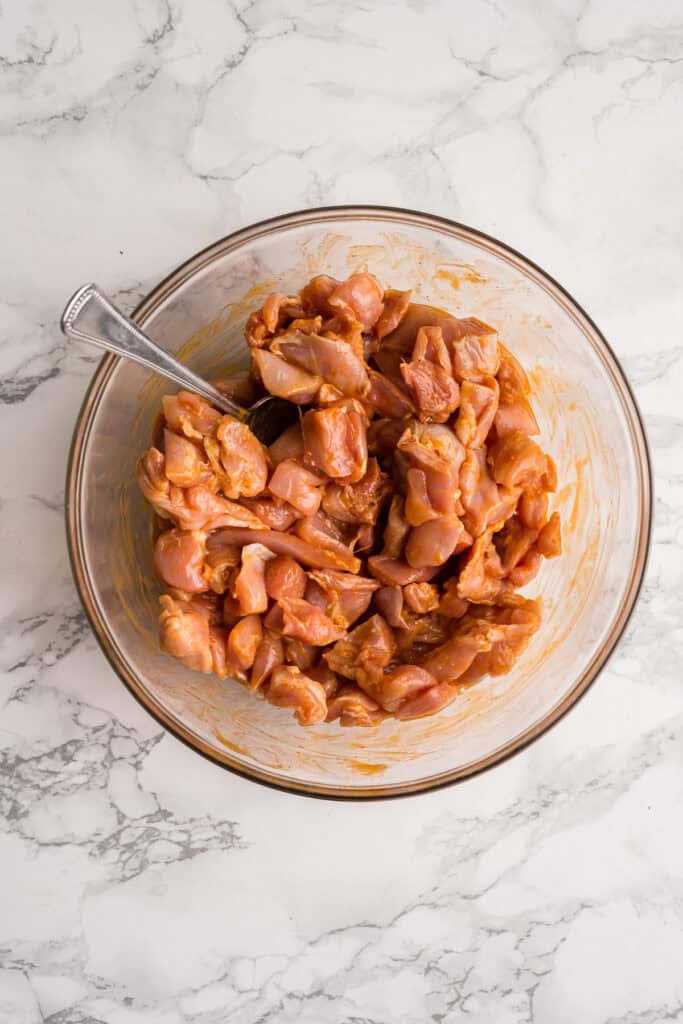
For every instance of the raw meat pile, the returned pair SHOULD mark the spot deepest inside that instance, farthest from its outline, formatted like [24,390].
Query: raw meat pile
[366,564]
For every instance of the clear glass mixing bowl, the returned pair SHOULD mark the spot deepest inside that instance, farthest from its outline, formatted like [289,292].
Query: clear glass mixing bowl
[590,425]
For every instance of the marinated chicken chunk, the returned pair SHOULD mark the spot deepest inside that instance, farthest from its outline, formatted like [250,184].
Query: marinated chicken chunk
[238,459]
[335,441]
[290,688]
[429,377]
[366,564]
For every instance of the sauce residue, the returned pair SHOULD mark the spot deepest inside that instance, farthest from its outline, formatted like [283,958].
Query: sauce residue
[456,273]
[366,769]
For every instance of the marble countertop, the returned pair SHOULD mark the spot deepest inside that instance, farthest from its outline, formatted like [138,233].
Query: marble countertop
[141,884]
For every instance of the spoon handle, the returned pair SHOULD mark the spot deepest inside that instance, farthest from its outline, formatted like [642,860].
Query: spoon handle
[90,316]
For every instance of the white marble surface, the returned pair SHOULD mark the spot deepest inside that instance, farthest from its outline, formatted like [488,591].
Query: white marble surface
[140,884]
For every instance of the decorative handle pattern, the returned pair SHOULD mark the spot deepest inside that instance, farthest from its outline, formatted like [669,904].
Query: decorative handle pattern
[90,316]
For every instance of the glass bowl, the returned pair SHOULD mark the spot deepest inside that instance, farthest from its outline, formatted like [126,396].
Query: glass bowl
[589,424]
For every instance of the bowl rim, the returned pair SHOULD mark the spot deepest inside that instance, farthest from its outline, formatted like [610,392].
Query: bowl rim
[108,363]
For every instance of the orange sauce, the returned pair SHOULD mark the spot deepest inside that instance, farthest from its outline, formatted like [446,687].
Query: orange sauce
[367,769]
[454,273]
[229,744]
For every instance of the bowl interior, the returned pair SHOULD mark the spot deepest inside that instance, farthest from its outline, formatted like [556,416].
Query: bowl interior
[588,424]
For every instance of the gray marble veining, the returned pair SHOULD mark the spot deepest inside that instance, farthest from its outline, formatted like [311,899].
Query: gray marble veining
[140,884]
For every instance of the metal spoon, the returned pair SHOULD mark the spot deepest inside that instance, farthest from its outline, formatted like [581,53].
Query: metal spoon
[90,316]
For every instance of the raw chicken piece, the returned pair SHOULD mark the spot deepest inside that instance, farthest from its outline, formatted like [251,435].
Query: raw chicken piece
[359,297]
[218,565]
[184,464]
[396,529]
[429,345]
[203,510]
[327,358]
[191,508]
[384,434]
[481,572]
[249,587]
[282,379]
[549,479]
[395,308]
[402,339]
[285,544]
[255,331]
[335,441]
[276,311]
[347,596]
[421,598]
[289,445]
[549,541]
[301,654]
[418,505]
[344,328]
[328,679]
[390,363]
[386,398]
[465,332]
[304,621]
[513,543]
[231,607]
[284,578]
[179,559]
[276,517]
[391,689]
[514,625]
[315,295]
[300,488]
[483,501]
[360,502]
[207,605]
[304,325]
[512,378]
[477,354]
[290,688]
[452,658]
[429,378]
[238,459]
[517,461]
[316,595]
[525,561]
[328,395]
[420,634]
[269,654]
[363,652]
[395,572]
[390,605]
[331,535]
[278,306]
[189,415]
[478,406]
[433,543]
[244,640]
[353,707]
[514,411]
[533,509]
[434,449]
[426,702]
[155,485]
[451,606]
[515,416]
[526,569]
[187,634]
